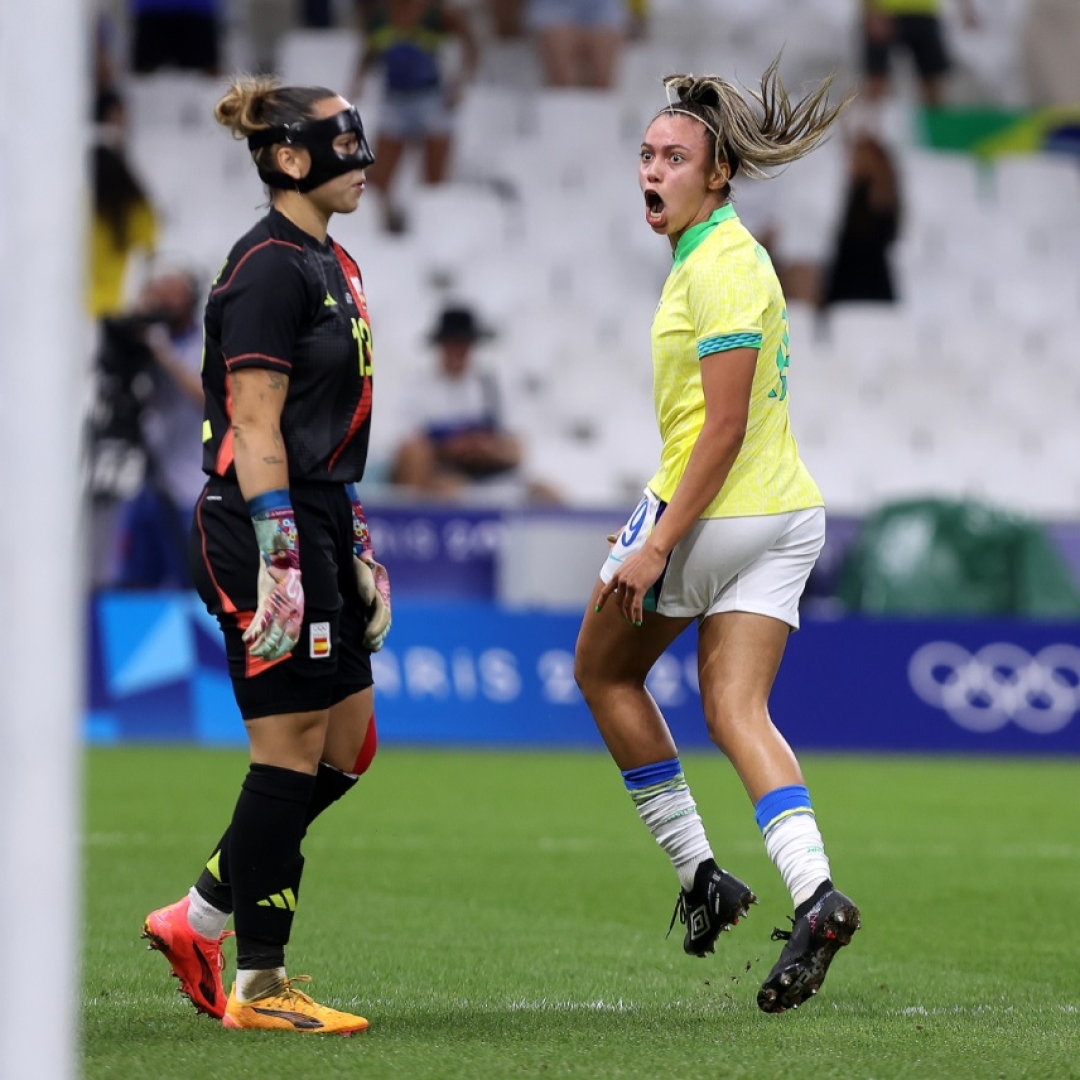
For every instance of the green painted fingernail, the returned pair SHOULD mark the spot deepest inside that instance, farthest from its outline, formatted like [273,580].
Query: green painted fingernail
[638,622]
[597,608]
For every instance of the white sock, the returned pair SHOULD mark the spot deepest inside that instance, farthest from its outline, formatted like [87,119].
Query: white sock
[206,920]
[673,819]
[794,844]
[252,985]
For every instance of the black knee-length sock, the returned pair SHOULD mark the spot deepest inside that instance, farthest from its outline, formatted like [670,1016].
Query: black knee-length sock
[265,862]
[215,882]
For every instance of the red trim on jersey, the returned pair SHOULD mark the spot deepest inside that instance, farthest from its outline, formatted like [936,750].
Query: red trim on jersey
[247,255]
[257,356]
[363,406]
[363,411]
[226,604]
[225,453]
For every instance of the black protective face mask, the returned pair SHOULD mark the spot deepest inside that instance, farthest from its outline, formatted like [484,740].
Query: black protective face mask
[317,137]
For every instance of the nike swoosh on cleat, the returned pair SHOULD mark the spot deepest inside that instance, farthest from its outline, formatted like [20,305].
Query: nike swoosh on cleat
[298,1020]
[206,979]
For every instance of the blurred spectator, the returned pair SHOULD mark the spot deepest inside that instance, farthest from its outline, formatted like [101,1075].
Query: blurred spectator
[316,14]
[103,61]
[860,265]
[405,38]
[366,11]
[457,440]
[914,25]
[123,220]
[580,40]
[161,342]
[1051,39]
[507,17]
[176,33]
[638,29]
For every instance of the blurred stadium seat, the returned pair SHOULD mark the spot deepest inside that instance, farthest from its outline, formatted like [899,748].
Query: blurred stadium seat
[171,100]
[319,58]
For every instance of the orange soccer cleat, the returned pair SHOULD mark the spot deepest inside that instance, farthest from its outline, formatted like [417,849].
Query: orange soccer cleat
[287,1009]
[196,961]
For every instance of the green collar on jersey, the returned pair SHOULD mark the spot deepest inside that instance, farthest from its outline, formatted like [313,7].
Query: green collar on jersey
[694,236]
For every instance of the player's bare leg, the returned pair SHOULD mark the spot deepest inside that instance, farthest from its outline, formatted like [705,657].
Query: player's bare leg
[612,661]
[739,655]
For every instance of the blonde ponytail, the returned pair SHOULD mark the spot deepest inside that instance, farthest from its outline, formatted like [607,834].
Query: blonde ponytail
[775,134]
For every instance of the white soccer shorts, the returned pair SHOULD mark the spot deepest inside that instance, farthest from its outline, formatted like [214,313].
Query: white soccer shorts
[756,564]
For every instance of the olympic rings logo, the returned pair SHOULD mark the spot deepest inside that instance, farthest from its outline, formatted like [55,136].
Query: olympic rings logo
[1001,682]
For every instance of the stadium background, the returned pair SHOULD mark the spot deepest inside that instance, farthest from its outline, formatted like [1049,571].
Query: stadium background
[556,962]
[965,389]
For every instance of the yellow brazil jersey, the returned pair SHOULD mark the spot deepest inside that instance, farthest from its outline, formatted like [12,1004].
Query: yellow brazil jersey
[722,293]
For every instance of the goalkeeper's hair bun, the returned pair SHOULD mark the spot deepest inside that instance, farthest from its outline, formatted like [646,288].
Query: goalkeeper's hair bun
[257,102]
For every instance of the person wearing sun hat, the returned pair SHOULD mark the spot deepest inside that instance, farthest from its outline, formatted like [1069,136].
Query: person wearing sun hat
[456,436]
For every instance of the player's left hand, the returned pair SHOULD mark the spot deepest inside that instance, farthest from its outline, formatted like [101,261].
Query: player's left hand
[275,627]
[373,581]
[632,581]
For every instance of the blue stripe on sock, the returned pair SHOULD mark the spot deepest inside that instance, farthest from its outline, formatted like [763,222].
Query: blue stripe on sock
[647,775]
[781,800]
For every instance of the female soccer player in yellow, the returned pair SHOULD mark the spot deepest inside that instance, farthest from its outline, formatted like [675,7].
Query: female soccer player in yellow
[728,529]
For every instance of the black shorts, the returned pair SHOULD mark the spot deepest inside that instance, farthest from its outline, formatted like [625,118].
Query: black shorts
[921,36]
[329,662]
[178,39]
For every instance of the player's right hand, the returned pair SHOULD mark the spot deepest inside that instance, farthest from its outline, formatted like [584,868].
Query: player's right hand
[275,626]
[373,583]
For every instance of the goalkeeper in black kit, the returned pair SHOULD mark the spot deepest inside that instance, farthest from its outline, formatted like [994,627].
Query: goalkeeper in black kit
[280,550]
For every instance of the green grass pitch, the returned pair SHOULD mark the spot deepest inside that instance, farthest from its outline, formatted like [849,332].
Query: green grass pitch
[503,915]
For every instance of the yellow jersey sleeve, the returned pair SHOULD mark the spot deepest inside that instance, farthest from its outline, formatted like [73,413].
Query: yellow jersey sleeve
[727,308]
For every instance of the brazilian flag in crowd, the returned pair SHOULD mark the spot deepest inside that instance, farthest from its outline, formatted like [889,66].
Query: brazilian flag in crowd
[989,133]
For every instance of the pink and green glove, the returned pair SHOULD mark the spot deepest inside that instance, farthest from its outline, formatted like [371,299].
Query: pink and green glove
[275,626]
[371,578]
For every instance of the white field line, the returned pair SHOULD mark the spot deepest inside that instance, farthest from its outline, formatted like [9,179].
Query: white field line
[124,1001]
[550,845]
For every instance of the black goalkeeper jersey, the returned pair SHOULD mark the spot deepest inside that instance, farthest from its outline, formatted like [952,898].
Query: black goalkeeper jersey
[286,302]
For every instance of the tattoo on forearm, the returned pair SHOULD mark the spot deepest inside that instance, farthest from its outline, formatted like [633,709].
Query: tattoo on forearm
[273,459]
[278,382]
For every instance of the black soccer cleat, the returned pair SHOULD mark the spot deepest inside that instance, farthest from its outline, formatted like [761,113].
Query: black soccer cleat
[810,945]
[715,903]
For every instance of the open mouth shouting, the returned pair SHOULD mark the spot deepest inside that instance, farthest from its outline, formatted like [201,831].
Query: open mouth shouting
[655,211]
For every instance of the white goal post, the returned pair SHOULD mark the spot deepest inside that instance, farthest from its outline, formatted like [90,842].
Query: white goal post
[45,46]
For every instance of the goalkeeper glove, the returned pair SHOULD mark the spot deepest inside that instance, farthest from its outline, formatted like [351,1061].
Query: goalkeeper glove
[275,627]
[372,579]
